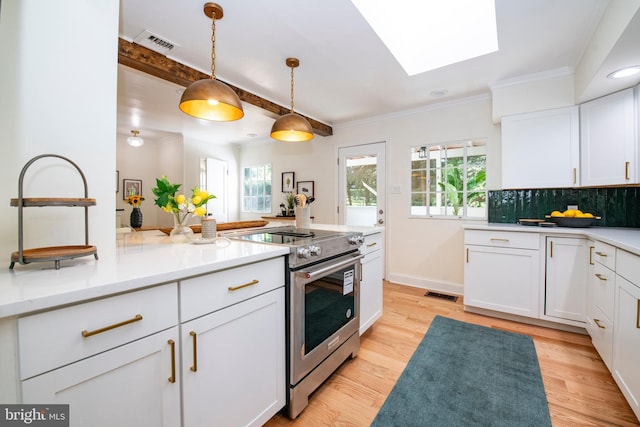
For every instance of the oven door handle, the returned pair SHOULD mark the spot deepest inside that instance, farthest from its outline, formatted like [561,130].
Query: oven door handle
[332,267]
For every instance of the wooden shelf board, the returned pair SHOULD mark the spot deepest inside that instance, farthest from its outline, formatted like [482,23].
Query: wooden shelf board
[54,201]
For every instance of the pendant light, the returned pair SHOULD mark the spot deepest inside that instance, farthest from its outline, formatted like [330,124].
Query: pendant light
[135,140]
[292,127]
[210,99]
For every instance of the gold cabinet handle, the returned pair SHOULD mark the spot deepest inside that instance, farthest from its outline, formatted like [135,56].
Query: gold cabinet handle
[591,248]
[251,283]
[87,334]
[574,175]
[370,245]
[597,322]
[602,254]
[601,277]
[550,248]
[626,170]
[498,239]
[194,367]
[172,378]
[467,255]
[638,315]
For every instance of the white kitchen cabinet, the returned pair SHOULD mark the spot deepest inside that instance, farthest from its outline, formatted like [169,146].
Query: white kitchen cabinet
[600,299]
[233,363]
[626,343]
[550,138]
[112,360]
[609,146]
[565,279]
[502,271]
[233,345]
[371,285]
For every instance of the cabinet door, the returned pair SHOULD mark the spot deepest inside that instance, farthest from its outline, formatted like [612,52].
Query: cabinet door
[502,279]
[626,344]
[608,143]
[566,277]
[371,290]
[550,138]
[125,386]
[233,363]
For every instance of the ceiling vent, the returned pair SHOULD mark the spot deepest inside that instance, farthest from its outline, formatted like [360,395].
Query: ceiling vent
[155,42]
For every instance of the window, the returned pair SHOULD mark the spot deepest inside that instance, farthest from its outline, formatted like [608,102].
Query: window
[449,180]
[256,189]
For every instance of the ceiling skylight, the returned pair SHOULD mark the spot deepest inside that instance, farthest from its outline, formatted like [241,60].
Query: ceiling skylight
[429,34]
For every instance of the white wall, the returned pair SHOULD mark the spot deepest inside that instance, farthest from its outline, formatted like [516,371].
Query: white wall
[58,58]
[158,156]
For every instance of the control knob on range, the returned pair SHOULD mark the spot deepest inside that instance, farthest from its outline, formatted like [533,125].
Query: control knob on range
[304,253]
[315,250]
[356,240]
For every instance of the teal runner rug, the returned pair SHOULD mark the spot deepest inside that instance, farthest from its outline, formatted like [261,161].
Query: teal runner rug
[468,375]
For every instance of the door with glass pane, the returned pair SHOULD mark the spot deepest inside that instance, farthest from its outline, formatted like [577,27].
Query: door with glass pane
[361,183]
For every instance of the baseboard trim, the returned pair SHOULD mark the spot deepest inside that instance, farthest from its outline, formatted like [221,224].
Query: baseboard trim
[418,282]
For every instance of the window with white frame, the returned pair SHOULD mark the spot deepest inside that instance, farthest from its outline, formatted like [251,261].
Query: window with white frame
[449,180]
[256,189]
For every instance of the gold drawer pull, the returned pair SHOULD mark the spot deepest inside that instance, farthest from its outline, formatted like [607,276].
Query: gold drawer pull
[498,239]
[601,277]
[172,378]
[575,178]
[370,245]
[601,254]
[626,170]
[251,283]
[597,322]
[638,315]
[87,334]
[194,368]
[591,248]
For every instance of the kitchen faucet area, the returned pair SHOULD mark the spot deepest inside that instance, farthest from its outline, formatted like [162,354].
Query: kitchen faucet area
[318,223]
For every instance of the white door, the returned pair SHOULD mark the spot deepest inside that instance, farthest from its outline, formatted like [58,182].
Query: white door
[213,178]
[361,185]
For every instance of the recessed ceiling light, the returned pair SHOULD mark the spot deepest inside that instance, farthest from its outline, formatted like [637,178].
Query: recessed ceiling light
[624,72]
[425,35]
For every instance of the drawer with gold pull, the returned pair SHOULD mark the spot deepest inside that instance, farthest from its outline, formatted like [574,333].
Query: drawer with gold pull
[55,338]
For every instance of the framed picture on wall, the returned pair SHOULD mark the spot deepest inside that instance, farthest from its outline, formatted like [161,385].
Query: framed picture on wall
[288,180]
[131,187]
[306,188]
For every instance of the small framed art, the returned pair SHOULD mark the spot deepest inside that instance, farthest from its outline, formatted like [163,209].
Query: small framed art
[131,187]
[306,188]
[288,180]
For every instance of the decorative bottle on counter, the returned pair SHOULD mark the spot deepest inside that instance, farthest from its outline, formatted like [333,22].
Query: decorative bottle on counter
[135,220]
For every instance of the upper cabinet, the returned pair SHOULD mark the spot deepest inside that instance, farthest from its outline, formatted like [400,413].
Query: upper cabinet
[609,148]
[541,149]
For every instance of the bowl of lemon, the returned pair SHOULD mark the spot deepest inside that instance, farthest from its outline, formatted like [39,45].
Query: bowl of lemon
[572,218]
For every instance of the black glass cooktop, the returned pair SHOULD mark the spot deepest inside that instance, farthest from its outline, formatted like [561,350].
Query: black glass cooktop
[290,236]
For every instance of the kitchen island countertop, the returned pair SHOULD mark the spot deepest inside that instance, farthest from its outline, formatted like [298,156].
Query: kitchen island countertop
[627,239]
[139,260]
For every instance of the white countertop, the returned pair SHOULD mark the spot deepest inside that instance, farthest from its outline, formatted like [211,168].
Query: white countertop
[140,259]
[623,238]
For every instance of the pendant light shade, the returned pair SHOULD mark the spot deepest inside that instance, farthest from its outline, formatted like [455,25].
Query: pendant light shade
[292,127]
[211,99]
[135,140]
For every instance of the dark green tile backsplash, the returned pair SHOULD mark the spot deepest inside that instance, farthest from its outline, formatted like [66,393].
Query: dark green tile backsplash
[618,207]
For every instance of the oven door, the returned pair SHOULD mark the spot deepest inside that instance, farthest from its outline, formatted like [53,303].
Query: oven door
[325,307]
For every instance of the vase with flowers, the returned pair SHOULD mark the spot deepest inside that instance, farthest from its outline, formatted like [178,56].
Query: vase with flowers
[135,219]
[180,206]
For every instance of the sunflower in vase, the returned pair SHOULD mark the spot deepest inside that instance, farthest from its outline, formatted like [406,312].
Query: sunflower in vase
[179,205]
[135,200]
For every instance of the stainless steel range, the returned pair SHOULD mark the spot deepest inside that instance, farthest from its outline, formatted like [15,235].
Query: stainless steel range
[323,304]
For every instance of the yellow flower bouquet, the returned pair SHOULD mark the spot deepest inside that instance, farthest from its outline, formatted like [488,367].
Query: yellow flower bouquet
[135,200]
[179,205]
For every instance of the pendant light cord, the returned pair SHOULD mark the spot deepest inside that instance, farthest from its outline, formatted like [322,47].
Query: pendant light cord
[292,89]
[213,45]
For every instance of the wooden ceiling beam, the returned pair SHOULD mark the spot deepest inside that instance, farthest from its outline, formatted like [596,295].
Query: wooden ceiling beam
[146,60]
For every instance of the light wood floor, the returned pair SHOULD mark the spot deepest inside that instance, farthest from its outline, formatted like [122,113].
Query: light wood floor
[579,388]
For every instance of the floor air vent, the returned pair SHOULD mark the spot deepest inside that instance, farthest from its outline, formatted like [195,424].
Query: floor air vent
[441,296]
